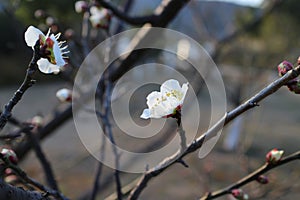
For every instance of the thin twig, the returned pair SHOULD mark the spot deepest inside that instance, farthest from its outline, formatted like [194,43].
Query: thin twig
[46,166]
[198,142]
[251,177]
[27,83]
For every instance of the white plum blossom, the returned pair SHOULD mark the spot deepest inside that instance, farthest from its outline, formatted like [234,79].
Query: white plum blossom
[100,17]
[53,58]
[81,6]
[64,95]
[166,102]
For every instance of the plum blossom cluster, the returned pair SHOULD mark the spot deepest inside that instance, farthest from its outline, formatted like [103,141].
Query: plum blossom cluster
[52,51]
[283,68]
[167,102]
[99,17]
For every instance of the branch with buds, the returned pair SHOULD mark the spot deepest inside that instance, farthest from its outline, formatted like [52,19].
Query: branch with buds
[273,161]
[198,142]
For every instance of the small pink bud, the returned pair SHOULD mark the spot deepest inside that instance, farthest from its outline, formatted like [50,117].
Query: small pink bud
[284,67]
[274,156]
[262,179]
[239,194]
[64,95]
[81,6]
[298,61]
[10,155]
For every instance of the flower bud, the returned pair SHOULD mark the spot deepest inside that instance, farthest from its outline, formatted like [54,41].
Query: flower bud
[284,67]
[81,6]
[294,86]
[37,120]
[262,179]
[9,155]
[64,95]
[239,194]
[274,156]
[298,61]
[40,14]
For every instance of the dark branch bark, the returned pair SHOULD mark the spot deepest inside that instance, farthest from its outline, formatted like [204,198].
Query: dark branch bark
[27,83]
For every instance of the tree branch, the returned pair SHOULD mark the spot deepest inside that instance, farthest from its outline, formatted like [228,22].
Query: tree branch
[198,142]
[27,83]
[251,177]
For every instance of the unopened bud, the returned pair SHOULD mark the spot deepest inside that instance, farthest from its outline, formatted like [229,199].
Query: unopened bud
[239,194]
[262,179]
[81,6]
[284,67]
[10,155]
[274,156]
[64,95]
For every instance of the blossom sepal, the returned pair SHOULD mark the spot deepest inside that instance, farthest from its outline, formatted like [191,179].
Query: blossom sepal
[274,156]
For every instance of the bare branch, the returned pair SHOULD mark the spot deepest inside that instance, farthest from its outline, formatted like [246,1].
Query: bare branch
[198,142]
[252,177]
[27,83]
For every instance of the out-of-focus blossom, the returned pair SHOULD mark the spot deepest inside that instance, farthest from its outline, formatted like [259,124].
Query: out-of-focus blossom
[100,17]
[64,95]
[81,6]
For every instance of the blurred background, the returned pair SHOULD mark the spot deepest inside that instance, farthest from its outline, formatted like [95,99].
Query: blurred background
[246,39]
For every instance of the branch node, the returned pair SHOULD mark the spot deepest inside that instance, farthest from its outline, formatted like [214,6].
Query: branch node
[183,163]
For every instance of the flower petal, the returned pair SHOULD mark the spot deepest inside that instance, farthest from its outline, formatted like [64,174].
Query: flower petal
[32,35]
[170,85]
[146,114]
[46,67]
[57,52]
[184,90]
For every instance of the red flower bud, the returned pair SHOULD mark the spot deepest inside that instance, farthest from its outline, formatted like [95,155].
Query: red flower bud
[284,67]
[274,156]
[10,155]
[294,86]
[262,179]
[239,194]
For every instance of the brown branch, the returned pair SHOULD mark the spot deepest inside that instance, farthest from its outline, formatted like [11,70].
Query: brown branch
[251,177]
[198,142]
